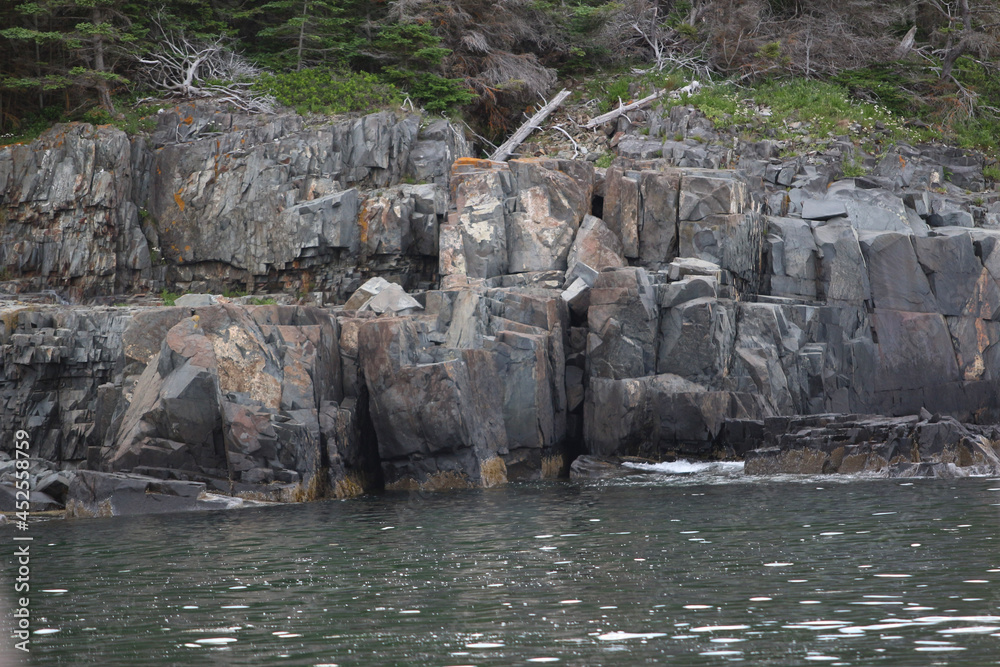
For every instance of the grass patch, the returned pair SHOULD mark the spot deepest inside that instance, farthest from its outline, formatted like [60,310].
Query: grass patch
[610,87]
[824,110]
[261,301]
[130,119]
[854,168]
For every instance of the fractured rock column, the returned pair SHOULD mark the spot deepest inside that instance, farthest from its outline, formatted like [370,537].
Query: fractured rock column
[439,423]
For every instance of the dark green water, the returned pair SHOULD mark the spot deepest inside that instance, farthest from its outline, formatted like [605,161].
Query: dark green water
[704,569]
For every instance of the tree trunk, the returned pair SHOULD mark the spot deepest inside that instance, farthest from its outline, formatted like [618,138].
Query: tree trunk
[955,51]
[103,91]
[302,36]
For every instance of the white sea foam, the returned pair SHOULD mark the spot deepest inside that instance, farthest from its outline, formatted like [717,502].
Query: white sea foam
[684,467]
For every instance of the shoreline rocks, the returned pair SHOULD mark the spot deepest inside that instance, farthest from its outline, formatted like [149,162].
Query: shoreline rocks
[496,322]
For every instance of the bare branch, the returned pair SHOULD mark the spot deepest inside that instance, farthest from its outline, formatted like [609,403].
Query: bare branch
[576,148]
[522,133]
[186,67]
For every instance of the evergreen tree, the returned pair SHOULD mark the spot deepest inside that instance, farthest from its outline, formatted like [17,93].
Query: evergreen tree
[82,40]
[304,33]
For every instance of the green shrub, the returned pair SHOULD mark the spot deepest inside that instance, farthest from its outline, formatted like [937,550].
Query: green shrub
[433,92]
[326,91]
[604,161]
[169,298]
[613,86]
[854,169]
[770,51]
[32,125]
[992,173]
[261,301]
[97,116]
[614,93]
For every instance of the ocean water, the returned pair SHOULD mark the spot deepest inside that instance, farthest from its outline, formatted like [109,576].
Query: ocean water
[688,564]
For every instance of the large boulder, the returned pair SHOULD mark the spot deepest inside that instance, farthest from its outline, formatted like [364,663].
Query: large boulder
[234,393]
[595,246]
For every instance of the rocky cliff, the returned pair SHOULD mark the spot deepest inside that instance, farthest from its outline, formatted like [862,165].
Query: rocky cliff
[521,312]
[219,201]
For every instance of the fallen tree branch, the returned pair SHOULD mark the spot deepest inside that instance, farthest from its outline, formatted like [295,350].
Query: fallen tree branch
[198,68]
[522,133]
[576,148]
[611,115]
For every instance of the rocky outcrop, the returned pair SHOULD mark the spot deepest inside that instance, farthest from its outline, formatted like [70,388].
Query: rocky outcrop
[521,313]
[241,397]
[914,446]
[68,213]
[219,200]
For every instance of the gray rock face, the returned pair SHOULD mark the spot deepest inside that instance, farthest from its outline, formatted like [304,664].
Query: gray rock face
[71,222]
[61,375]
[435,423]
[658,415]
[219,200]
[685,320]
[623,318]
[877,446]
[794,258]
[897,280]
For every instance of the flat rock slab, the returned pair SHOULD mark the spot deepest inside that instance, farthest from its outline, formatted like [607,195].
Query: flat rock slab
[823,209]
[95,493]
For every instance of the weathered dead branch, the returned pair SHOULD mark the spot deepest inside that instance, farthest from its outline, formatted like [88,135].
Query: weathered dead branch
[530,126]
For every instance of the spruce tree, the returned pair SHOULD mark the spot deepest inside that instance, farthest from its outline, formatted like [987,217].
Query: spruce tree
[82,41]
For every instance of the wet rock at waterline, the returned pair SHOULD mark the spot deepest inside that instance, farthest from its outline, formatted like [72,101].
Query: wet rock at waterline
[914,446]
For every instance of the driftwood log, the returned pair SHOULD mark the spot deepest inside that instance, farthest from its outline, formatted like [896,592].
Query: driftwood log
[530,126]
[611,115]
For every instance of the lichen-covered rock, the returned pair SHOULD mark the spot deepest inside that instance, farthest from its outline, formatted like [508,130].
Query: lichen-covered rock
[70,219]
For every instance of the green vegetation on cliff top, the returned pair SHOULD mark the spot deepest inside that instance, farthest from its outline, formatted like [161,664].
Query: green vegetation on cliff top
[923,69]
